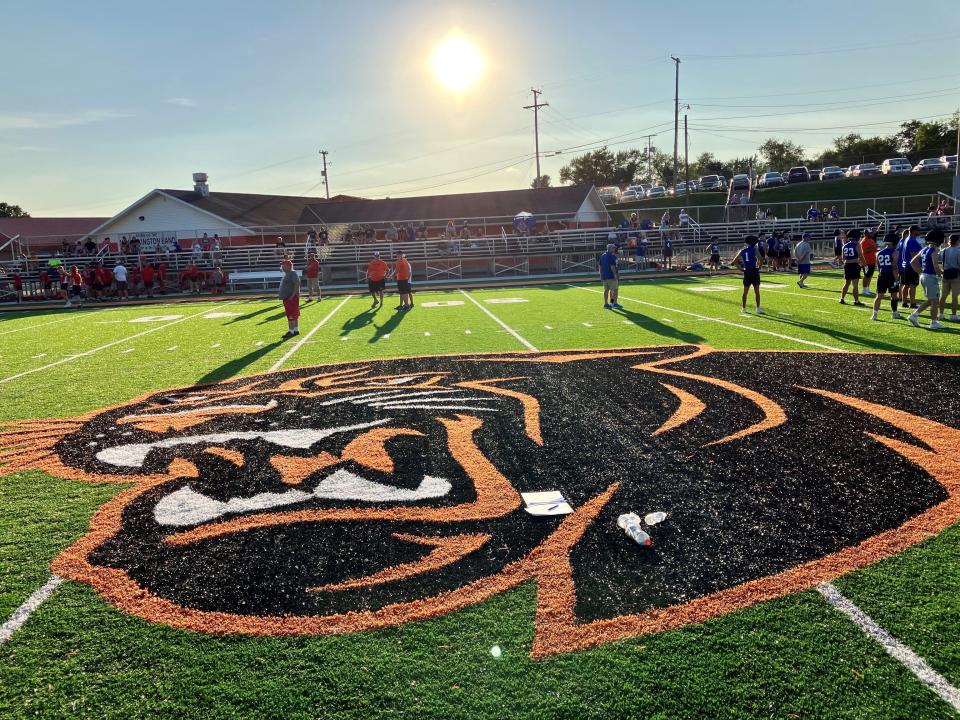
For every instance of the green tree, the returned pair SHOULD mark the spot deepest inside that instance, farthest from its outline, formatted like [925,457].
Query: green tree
[7,210]
[853,149]
[781,155]
[542,181]
[602,167]
[928,138]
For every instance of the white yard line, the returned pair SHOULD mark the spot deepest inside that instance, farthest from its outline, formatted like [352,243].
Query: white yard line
[896,649]
[522,340]
[719,320]
[108,345]
[39,325]
[20,615]
[276,366]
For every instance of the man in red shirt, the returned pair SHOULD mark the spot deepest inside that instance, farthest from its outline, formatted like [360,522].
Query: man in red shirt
[403,272]
[75,282]
[104,280]
[377,271]
[312,274]
[148,276]
[162,277]
[18,286]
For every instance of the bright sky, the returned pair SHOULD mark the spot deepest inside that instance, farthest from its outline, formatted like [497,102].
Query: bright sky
[103,101]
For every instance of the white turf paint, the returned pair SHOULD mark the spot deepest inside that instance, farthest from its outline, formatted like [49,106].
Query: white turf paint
[523,341]
[586,324]
[896,649]
[20,615]
[718,320]
[104,347]
[289,354]
[426,333]
[31,327]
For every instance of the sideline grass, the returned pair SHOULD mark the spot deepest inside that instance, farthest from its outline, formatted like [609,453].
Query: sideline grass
[794,657]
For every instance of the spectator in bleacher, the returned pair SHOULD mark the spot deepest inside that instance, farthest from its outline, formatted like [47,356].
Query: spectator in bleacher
[311,242]
[684,218]
[78,248]
[734,200]
[369,235]
[215,249]
[90,246]
[197,250]
[312,273]
[813,213]
[744,200]
[120,276]
[422,231]
[124,245]
[135,246]
[834,213]
[289,295]
[391,234]
[411,232]
[402,233]
[465,230]
[951,277]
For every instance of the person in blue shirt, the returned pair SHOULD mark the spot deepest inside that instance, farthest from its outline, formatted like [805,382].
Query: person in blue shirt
[909,279]
[667,254]
[926,263]
[888,275]
[749,261]
[813,213]
[772,251]
[714,250]
[610,277]
[640,254]
[852,257]
[839,238]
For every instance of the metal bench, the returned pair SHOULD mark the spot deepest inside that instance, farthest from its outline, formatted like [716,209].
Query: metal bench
[262,279]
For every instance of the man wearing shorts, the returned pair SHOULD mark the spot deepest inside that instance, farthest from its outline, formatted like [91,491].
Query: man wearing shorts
[838,240]
[926,263]
[610,277]
[403,272]
[951,277]
[377,279]
[312,274]
[667,254]
[852,258]
[749,261]
[909,247]
[888,277]
[804,254]
[868,246]
[714,249]
[289,295]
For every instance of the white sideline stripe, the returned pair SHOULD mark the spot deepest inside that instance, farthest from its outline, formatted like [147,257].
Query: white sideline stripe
[719,320]
[31,327]
[896,649]
[299,343]
[20,615]
[108,345]
[523,341]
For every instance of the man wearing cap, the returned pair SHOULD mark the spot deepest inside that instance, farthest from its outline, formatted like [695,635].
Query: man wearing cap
[289,294]
[868,246]
[377,271]
[748,259]
[403,272]
[926,264]
[852,257]
[888,277]
[610,277]
[909,279]
[804,253]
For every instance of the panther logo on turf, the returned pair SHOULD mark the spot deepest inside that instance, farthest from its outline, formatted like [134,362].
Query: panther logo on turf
[370,494]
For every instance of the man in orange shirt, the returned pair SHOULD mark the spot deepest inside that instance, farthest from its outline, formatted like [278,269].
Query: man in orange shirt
[868,245]
[312,274]
[377,271]
[403,272]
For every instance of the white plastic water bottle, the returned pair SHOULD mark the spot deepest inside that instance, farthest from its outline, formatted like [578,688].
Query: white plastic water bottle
[630,524]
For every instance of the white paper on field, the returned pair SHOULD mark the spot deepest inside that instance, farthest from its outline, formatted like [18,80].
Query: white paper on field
[549,502]
[654,518]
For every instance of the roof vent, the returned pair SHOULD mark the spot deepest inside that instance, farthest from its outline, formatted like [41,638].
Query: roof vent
[200,185]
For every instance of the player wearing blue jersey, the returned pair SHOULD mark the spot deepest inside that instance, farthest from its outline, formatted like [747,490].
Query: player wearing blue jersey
[714,250]
[852,257]
[610,277]
[667,254]
[888,275]
[748,259]
[927,264]
[909,246]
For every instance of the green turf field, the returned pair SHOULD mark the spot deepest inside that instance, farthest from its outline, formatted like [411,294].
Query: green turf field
[792,657]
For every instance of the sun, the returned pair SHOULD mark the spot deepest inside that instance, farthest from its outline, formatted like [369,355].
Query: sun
[457,63]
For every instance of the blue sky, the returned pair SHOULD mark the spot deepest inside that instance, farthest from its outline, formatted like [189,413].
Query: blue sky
[103,101]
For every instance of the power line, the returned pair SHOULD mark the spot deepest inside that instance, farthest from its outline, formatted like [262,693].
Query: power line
[766,55]
[536,127]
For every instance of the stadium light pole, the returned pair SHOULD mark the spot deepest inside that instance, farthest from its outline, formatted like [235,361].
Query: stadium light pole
[676,116]
[686,158]
[536,126]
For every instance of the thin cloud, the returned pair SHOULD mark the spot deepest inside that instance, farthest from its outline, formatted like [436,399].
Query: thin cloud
[24,148]
[182,102]
[53,121]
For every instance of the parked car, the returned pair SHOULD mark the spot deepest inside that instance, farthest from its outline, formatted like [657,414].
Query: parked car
[740,182]
[832,173]
[629,194]
[815,175]
[657,191]
[785,176]
[896,166]
[849,172]
[929,165]
[713,182]
[610,194]
[640,189]
[798,174]
[770,179]
[866,169]
[950,162]
[695,184]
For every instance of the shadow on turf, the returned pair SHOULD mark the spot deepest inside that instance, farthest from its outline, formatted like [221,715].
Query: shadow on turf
[236,365]
[271,318]
[658,328]
[358,321]
[389,326]
[247,316]
[873,341]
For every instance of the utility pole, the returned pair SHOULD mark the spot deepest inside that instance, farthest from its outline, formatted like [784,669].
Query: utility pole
[686,158]
[536,125]
[326,179]
[676,116]
[649,160]
[956,174]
